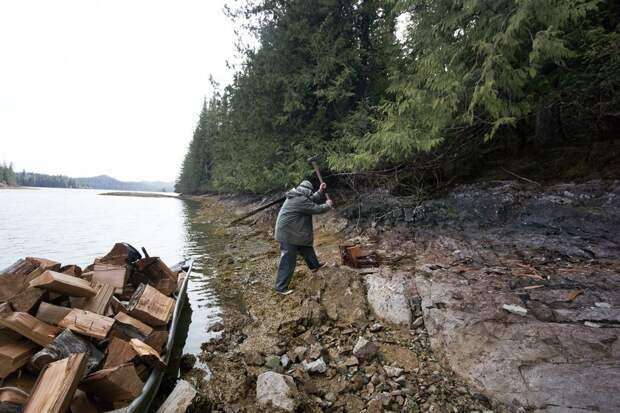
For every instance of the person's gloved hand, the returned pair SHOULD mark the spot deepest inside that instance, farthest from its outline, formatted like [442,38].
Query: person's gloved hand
[323,187]
[329,203]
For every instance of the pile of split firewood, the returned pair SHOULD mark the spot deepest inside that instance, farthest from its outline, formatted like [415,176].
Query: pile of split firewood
[84,340]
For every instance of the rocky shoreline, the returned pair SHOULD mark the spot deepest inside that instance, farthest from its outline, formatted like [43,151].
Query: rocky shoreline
[427,330]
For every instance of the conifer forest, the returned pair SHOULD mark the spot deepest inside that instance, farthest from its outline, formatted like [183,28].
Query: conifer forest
[420,90]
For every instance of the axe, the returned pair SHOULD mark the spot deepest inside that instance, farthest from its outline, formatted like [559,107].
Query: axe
[313,161]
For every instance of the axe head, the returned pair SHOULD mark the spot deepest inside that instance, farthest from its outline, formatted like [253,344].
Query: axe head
[314,158]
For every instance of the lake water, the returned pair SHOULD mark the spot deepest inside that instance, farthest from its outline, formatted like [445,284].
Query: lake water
[74,226]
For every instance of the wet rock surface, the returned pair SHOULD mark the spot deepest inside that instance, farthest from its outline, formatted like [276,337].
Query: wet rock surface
[509,277]
[436,315]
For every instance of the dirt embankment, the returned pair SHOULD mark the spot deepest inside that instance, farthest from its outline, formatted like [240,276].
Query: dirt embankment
[427,330]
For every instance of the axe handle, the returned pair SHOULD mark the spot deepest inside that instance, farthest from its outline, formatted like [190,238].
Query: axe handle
[318,174]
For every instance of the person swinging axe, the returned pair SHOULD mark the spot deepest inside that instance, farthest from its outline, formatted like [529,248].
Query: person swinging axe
[295,233]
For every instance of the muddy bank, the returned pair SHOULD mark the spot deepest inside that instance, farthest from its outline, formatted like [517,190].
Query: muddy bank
[311,335]
[438,337]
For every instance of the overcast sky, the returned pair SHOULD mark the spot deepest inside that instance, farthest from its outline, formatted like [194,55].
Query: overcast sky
[107,87]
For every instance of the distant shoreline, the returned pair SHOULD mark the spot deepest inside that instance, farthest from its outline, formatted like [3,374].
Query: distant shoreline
[139,194]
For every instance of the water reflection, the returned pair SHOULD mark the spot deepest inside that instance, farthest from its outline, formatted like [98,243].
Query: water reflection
[74,226]
[204,247]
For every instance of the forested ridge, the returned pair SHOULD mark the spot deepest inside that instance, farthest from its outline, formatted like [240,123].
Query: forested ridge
[7,175]
[404,87]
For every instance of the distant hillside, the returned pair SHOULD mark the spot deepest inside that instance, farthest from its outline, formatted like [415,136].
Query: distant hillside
[107,182]
[95,182]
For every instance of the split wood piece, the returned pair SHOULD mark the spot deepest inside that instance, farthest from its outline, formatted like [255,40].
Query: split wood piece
[119,352]
[180,279]
[65,344]
[180,399]
[114,275]
[99,303]
[120,254]
[5,308]
[153,271]
[117,306]
[82,404]
[125,332]
[147,354]
[22,266]
[88,276]
[87,323]
[14,354]
[13,396]
[56,385]
[143,371]
[45,263]
[13,284]
[77,302]
[27,300]
[149,305]
[158,339]
[64,284]
[71,269]
[29,327]
[114,385]
[51,314]
[143,328]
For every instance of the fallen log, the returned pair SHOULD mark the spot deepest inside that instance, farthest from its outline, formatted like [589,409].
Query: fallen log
[116,384]
[150,306]
[29,327]
[65,344]
[63,284]
[257,210]
[56,385]
[87,323]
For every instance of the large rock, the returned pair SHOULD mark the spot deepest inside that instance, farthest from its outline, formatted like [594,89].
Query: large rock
[388,296]
[549,366]
[278,390]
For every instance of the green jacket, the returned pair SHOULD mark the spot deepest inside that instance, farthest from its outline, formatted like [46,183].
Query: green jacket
[294,223]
